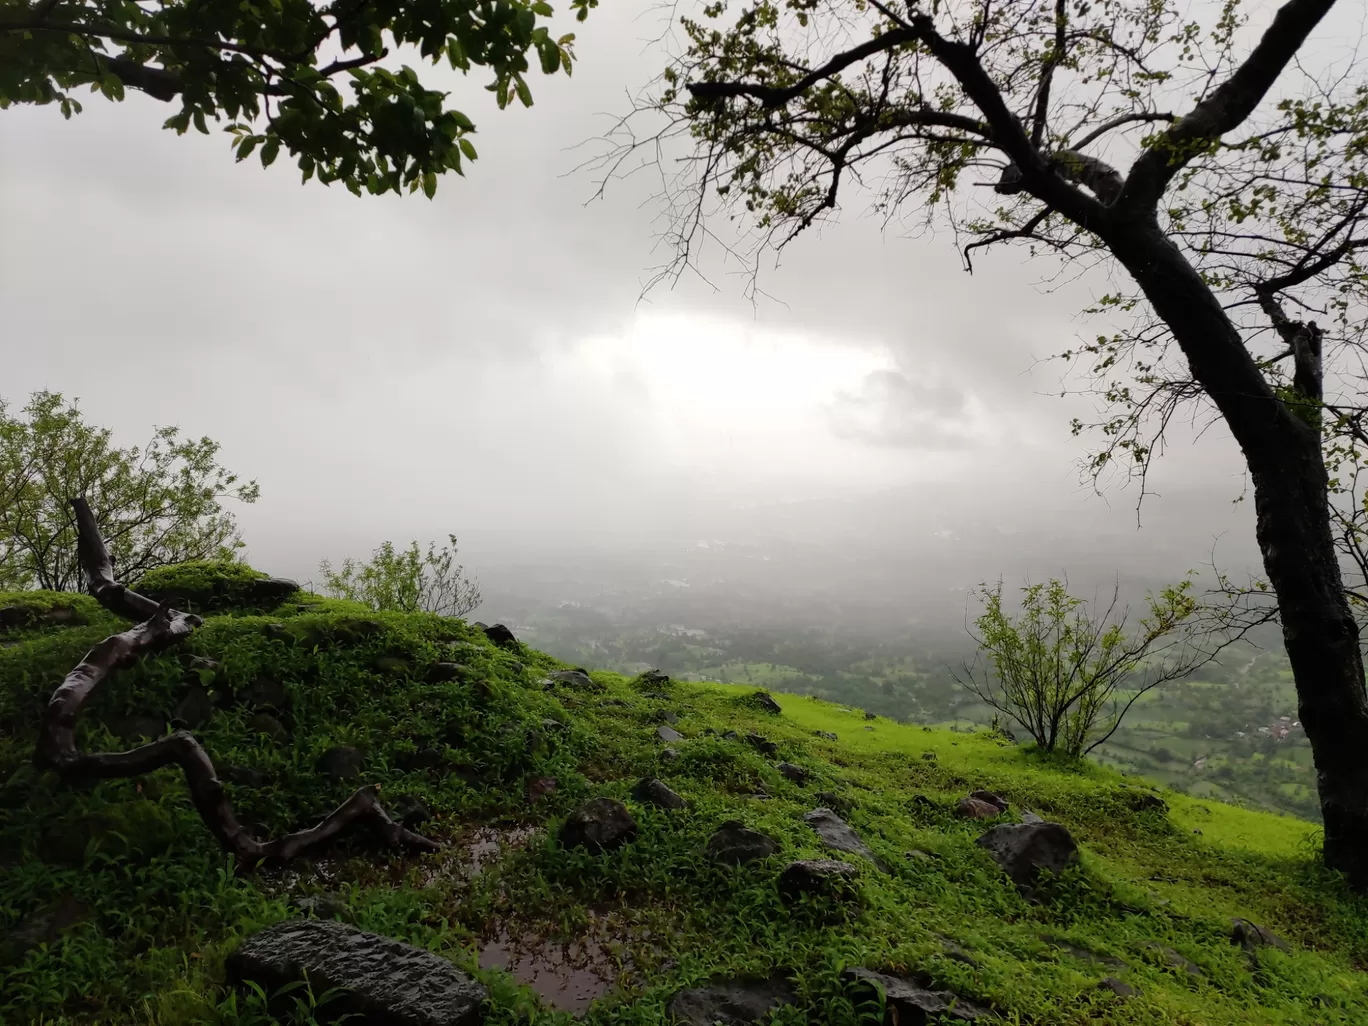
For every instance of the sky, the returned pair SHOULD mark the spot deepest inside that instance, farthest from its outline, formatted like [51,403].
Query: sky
[488,363]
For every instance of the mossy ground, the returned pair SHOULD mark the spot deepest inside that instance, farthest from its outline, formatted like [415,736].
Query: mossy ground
[160,906]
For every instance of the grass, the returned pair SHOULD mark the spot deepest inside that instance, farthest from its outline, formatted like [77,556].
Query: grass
[160,907]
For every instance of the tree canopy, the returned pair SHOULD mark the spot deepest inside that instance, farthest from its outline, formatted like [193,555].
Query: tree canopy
[311,78]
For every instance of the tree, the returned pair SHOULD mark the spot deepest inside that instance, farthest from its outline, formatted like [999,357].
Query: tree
[273,73]
[1069,676]
[1199,163]
[406,581]
[155,506]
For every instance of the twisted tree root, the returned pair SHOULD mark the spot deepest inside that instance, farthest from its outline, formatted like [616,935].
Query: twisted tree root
[161,628]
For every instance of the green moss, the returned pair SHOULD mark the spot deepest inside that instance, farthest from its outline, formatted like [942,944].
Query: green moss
[165,906]
[197,575]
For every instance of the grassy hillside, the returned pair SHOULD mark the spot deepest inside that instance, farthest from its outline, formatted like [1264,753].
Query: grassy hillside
[118,907]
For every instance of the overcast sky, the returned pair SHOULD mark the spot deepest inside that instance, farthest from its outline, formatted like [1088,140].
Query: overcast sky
[485,363]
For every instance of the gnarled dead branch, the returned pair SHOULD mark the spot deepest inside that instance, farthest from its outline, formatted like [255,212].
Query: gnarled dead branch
[162,627]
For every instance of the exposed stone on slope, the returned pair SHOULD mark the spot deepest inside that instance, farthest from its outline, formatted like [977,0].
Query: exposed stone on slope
[762,744]
[575,678]
[341,762]
[599,825]
[974,808]
[741,1002]
[499,634]
[816,876]
[1252,937]
[655,792]
[824,733]
[910,1004]
[763,701]
[734,843]
[1023,850]
[791,772]
[995,800]
[1118,987]
[193,709]
[668,734]
[836,833]
[384,981]
[45,926]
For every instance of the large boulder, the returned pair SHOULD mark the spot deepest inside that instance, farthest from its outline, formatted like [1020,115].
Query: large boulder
[741,1002]
[908,1003]
[599,825]
[836,833]
[763,701]
[975,808]
[816,876]
[734,843]
[383,982]
[1024,850]
[1252,937]
[499,634]
[575,678]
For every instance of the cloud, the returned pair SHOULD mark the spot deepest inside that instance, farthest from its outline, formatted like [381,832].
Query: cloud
[890,409]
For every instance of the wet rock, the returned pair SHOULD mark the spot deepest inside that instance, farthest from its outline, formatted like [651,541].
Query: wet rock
[973,808]
[791,772]
[539,786]
[384,982]
[836,833]
[929,756]
[871,716]
[341,762]
[824,733]
[665,716]
[440,673]
[136,727]
[907,1003]
[1027,816]
[1118,987]
[44,926]
[734,844]
[668,734]
[321,906]
[203,667]
[1024,850]
[265,723]
[762,744]
[409,810]
[816,876]
[266,693]
[742,1002]
[763,701]
[834,802]
[669,755]
[654,678]
[651,791]
[575,678]
[499,634]
[1252,937]
[1174,960]
[243,776]
[992,799]
[194,709]
[599,825]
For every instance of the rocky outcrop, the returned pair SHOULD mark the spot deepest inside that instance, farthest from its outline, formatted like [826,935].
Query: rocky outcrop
[599,825]
[655,792]
[499,634]
[763,701]
[1252,937]
[836,833]
[908,1003]
[816,876]
[668,734]
[743,1002]
[789,771]
[734,843]
[974,808]
[1025,850]
[382,981]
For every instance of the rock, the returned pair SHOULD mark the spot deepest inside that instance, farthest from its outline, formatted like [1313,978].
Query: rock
[136,727]
[1252,937]
[575,678]
[384,982]
[654,677]
[1175,960]
[869,728]
[791,772]
[1117,987]
[424,758]
[665,716]
[991,799]
[742,1002]
[1024,850]
[825,733]
[836,833]
[499,634]
[973,808]
[539,786]
[669,755]
[929,756]
[599,825]
[765,703]
[734,843]
[1084,955]
[920,856]
[244,776]
[554,726]
[909,1004]
[408,810]
[651,791]
[617,703]
[871,716]
[834,802]
[341,762]
[668,734]
[816,876]
[194,709]
[202,667]
[763,745]
[321,906]
[44,926]
[440,673]
[136,830]
[277,632]
[266,693]
[1027,816]
[265,723]
[1143,801]
[954,952]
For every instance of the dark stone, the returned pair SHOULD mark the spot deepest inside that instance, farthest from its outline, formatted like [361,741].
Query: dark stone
[825,733]
[665,716]
[268,591]
[321,906]
[669,755]
[954,952]
[920,856]
[409,810]
[834,802]
[384,982]
[391,664]
[764,702]
[44,926]
[871,716]
[202,666]
[599,825]
[742,1002]
[651,791]
[763,745]
[342,762]
[991,799]
[617,703]
[555,726]
[974,808]
[794,773]
[869,728]
[136,830]
[265,723]
[654,677]
[1027,816]
[1117,987]
[575,678]
[1084,955]
[538,786]
[929,756]
[1024,850]
[277,631]
[195,708]
[499,634]
[731,735]
[266,693]
[668,734]
[136,727]
[244,776]
[1174,960]
[659,696]
[440,673]
[836,833]
[816,876]
[1252,937]
[907,1003]
[734,843]
[1144,801]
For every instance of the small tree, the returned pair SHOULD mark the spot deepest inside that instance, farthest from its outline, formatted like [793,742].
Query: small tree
[1069,676]
[157,505]
[406,580]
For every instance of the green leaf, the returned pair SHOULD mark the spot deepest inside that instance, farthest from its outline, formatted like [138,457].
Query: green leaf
[245,147]
[270,150]
[524,93]
[467,147]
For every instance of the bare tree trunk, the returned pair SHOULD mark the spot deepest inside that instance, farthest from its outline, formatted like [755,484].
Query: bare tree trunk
[162,628]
